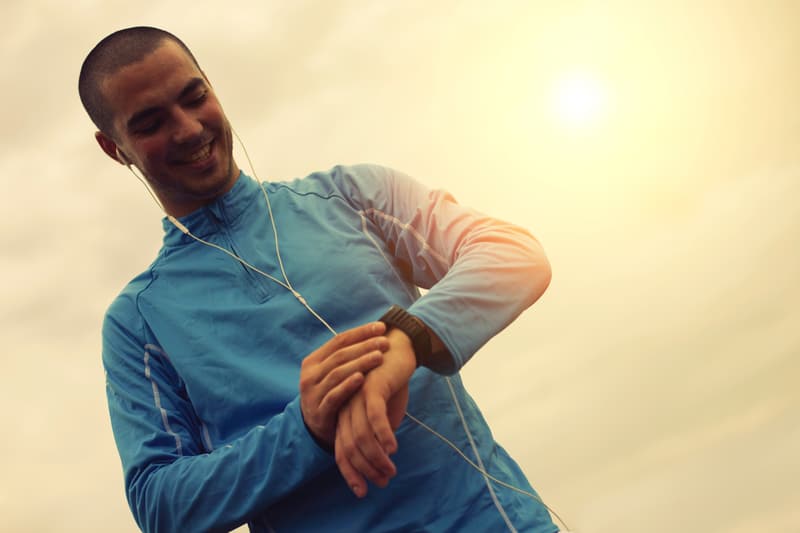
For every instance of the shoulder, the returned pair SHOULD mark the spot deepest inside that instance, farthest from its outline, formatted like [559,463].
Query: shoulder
[341,179]
[359,185]
[123,317]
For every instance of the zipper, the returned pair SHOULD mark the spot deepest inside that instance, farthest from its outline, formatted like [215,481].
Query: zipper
[263,291]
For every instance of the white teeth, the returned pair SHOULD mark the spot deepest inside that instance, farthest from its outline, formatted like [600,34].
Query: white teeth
[202,153]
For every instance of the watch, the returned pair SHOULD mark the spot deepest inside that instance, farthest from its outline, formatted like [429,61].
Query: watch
[397,317]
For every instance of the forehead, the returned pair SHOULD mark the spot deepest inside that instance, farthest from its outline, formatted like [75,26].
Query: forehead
[154,81]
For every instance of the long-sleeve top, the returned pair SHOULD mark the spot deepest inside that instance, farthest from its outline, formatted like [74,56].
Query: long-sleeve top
[202,358]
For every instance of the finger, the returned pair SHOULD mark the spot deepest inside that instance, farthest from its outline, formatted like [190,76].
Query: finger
[321,402]
[352,352]
[343,449]
[352,448]
[338,395]
[377,415]
[313,371]
[347,338]
[372,461]
[396,407]
[363,363]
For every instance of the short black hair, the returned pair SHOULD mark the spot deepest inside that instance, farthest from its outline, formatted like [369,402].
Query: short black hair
[117,50]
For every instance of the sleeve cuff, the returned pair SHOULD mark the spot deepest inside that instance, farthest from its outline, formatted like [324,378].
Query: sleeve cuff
[321,451]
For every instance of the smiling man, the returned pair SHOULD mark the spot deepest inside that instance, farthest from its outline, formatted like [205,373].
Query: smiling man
[277,358]
[167,122]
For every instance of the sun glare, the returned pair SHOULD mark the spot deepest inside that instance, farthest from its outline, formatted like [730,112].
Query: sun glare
[579,100]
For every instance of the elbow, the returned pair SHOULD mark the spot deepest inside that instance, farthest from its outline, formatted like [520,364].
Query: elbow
[539,274]
[145,502]
[542,278]
[545,275]
[137,501]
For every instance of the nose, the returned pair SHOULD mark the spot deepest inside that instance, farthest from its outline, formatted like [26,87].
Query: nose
[187,127]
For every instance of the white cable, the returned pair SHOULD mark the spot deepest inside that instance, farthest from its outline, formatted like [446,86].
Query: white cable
[288,286]
[149,190]
[277,246]
[484,472]
[474,447]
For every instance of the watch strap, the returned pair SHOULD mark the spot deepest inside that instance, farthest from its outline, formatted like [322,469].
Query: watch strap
[397,317]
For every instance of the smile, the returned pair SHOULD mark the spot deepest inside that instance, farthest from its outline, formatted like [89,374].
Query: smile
[203,153]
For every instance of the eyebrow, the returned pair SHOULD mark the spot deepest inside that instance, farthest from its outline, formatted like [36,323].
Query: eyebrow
[143,114]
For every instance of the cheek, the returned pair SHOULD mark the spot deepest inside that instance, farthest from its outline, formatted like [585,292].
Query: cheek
[213,114]
[151,152]
[218,120]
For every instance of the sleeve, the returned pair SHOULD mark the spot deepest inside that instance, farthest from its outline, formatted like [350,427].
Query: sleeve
[481,272]
[173,481]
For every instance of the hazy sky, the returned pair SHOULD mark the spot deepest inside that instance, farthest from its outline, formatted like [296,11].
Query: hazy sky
[651,146]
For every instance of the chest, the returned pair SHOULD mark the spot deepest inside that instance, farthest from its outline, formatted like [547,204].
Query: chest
[237,336]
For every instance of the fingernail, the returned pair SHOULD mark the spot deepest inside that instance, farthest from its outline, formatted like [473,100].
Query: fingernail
[390,446]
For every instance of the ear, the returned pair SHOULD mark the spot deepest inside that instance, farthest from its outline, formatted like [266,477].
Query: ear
[110,147]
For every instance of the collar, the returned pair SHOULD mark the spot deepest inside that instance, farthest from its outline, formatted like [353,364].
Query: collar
[225,210]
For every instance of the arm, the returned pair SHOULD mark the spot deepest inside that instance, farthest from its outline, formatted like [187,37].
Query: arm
[174,481]
[482,273]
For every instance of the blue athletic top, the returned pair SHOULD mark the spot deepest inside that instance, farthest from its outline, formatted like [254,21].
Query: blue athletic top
[202,358]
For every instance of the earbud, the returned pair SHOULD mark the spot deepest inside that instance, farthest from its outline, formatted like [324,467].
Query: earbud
[122,159]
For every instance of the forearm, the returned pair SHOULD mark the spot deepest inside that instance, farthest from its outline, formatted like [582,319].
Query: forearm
[177,481]
[499,272]
[176,478]
[481,272]
[223,488]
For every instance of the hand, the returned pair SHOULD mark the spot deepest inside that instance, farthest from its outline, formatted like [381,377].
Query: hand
[365,431]
[331,374]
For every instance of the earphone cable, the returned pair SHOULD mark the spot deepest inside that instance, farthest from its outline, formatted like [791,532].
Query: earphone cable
[288,286]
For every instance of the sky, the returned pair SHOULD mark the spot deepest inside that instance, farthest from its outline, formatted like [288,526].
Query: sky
[652,147]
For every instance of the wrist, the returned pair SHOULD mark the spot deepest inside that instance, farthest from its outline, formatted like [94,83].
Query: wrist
[398,319]
[401,347]
[325,444]
[428,349]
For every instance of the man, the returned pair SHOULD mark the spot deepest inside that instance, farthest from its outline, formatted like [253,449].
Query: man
[204,351]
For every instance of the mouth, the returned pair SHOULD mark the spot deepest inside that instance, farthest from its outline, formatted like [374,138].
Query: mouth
[198,157]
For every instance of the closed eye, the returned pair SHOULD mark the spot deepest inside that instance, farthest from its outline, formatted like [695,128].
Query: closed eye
[149,128]
[198,99]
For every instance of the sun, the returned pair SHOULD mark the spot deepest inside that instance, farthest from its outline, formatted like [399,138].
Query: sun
[579,100]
